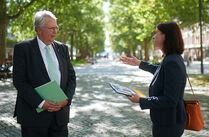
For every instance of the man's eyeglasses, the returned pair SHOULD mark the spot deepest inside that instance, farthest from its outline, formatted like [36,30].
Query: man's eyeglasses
[53,28]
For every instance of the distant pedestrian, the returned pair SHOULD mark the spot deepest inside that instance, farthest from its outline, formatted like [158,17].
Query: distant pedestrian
[166,91]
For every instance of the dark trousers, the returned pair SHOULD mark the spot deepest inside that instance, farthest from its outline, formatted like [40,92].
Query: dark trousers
[168,131]
[53,131]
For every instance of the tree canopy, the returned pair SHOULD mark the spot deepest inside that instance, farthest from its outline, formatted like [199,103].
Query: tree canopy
[133,22]
[81,23]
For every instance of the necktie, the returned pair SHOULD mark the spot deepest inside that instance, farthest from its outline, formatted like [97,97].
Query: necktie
[51,66]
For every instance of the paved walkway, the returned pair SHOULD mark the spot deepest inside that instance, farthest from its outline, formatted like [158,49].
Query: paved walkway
[195,67]
[96,110]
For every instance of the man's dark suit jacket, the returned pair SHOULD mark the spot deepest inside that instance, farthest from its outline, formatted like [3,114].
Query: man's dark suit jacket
[166,91]
[29,72]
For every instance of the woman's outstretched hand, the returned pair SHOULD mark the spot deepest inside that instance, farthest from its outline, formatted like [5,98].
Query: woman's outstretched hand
[130,61]
[134,98]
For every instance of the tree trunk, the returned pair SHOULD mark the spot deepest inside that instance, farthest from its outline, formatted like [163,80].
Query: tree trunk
[84,51]
[140,55]
[64,37]
[146,49]
[2,41]
[128,52]
[87,49]
[71,45]
[3,25]
[4,20]
[133,52]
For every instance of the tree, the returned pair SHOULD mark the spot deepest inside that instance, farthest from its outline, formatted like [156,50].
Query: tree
[136,20]
[80,22]
[133,23]
[9,11]
[122,28]
[186,12]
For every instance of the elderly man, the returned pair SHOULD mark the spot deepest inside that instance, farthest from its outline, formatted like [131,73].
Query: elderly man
[36,62]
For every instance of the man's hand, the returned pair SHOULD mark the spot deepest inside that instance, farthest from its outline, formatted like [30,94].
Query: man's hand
[51,106]
[62,103]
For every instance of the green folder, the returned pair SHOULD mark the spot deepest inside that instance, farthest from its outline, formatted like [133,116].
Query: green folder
[50,91]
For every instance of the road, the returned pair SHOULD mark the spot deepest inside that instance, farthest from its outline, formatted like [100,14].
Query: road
[97,111]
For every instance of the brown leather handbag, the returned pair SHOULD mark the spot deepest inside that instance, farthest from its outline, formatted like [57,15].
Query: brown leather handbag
[194,116]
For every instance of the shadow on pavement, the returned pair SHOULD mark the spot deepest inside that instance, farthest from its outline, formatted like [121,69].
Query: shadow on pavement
[98,111]
[8,129]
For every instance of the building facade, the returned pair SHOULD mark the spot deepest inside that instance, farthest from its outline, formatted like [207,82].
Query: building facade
[192,43]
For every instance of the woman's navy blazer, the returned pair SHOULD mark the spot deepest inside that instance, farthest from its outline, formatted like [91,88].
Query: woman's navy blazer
[166,91]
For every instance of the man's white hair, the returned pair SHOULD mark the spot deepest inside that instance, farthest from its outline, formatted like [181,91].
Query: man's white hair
[39,18]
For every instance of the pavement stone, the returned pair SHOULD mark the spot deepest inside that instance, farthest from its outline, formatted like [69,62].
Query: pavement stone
[97,111]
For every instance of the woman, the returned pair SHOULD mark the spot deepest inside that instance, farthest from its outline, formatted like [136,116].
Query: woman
[166,91]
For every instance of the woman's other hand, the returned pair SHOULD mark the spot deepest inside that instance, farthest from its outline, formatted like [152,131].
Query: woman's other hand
[130,61]
[134,98]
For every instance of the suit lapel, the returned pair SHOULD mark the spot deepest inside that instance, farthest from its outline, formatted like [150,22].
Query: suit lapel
[38,56]
[156,75]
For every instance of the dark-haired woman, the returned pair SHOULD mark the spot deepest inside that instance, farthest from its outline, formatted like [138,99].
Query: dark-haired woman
[166,90]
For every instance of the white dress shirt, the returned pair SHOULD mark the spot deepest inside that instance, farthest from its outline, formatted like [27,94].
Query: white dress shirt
[43,54]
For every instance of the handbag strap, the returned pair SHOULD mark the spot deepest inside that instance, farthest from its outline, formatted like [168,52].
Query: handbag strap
[191,87]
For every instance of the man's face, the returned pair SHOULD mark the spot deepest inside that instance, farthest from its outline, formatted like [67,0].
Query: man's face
[48,33]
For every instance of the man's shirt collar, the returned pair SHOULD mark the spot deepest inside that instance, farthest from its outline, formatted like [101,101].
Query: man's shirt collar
[41,44]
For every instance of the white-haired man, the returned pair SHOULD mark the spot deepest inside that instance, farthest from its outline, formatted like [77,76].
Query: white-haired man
[36,62]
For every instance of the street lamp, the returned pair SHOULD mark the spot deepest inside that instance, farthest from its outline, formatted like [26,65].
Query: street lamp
[200,17]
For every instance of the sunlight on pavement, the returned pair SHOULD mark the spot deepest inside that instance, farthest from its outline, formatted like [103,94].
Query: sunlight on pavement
[96,110]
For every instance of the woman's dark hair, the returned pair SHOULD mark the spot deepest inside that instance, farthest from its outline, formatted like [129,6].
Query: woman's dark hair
[173,38]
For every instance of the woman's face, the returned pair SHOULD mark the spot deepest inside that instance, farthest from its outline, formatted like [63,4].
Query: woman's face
[159,38]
